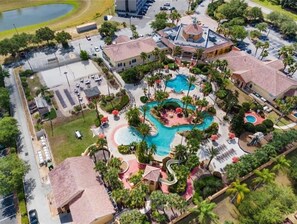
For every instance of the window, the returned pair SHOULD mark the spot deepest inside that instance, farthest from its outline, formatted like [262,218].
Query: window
[120,64]
[133,60]
[149,56]
[129,62]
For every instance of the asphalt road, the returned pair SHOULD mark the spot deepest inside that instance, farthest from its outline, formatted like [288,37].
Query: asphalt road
[35,191]
[7,210]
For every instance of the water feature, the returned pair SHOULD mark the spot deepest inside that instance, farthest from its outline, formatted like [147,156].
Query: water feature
[164,136]
[32,15]
[179,83]
[250,118]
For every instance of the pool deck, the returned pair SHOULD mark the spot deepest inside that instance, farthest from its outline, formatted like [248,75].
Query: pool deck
[259,119]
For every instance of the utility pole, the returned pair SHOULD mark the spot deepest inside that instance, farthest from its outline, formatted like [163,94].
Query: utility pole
[82,112]
[16,30]
[65,73]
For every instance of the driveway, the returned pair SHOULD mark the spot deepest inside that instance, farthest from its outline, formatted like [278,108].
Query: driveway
[7,210]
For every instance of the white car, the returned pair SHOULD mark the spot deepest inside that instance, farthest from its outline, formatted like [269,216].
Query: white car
[87,81]
[77,85]
[80,98]
[92,76]
[97,49]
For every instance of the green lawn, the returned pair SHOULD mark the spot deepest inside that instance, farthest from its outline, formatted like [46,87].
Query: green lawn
[274,116]
[63,142]
[275,8]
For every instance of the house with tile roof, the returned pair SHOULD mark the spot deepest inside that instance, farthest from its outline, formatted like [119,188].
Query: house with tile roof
[125,53]
[76,189]
[264,78]
[151,177]
[193,36]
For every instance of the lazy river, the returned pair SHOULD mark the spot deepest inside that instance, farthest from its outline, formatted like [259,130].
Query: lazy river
[164,136]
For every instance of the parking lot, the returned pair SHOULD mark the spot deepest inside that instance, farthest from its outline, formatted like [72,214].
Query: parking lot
[143,24]
[7,210]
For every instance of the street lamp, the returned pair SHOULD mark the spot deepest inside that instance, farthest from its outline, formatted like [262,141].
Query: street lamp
[65,73]
[82,112]
[15,29]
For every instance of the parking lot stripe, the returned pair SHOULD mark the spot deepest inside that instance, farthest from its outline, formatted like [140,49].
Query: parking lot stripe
[6,197]
[8,206]
[7,218]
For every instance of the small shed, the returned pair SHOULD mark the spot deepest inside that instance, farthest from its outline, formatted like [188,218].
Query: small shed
[92,93]
[151,177]
[40,133]
[86,27]
[42,106]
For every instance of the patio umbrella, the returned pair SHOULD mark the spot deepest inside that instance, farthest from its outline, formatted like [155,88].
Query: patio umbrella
[101,135]
[158,81]
[235,159]
[214,137]
[115,112]
[179,110]
[104,119]
[231,135]
[202,86]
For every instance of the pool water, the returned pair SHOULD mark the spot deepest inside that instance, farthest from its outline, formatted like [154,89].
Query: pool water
[295,114]
[164,136]
[250,118]
[179,83]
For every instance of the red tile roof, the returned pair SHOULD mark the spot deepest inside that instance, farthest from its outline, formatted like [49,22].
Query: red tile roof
[74,183]
[193,29]
[129,49]
[276,64]
[151,173]
[253,70]
[121,39]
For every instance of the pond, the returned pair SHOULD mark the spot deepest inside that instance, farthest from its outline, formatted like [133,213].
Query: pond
[32,15]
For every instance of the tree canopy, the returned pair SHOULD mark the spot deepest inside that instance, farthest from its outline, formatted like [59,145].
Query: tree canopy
[12,171]
[45,34]
[8,131]
[62,38]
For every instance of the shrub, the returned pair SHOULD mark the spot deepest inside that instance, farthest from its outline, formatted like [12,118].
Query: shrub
[136,178]
[172,66]
[246,106]
[91,106]
[170,105]
[249,127]
[97,122]
[207,186]
[212,129]
[195,70]
[77,108]
[143,99]
[261,128]
[124,149]
[221,93]
[212,110]
[84,55]
[226,118]
[130,75]
[268,123]
[26,73]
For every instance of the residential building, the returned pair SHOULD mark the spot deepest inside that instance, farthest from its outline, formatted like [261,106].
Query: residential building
[191,37]
[42,106]
[77,189]
[129,7]
[264,78]
[126,54]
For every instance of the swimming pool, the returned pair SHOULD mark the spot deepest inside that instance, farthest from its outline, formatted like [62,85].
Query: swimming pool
[179,83]
[295,114]
[250,118]
[164,136]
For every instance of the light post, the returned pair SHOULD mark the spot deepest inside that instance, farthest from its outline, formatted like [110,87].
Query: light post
[65,73]
[82,112]
[15,29]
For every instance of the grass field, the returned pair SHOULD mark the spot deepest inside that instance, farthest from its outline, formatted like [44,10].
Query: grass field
[83,11]
[275,8]
[274,116]
[63,143]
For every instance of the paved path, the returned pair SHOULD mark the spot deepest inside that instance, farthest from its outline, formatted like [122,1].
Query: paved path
[285,126]
[36,192]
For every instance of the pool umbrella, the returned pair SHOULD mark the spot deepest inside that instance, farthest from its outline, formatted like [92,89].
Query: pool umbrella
[115,112]
[235,159]
[104,119]
[158,81]
[214,137]
[231,135]
[101,135]
[202,86]
[179,110]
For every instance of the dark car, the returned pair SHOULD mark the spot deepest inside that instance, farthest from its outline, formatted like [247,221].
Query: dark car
[33,217]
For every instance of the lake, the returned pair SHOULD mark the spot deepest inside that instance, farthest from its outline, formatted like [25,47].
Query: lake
[32,15]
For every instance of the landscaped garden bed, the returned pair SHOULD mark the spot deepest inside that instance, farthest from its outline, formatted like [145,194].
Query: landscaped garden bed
[114,102]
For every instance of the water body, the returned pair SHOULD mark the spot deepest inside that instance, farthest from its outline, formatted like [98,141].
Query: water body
[32,15]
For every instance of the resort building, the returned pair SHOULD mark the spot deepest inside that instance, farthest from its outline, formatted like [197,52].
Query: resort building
[264,78]
[190,37]
[151,177]
[125,53]
[129,7]
[76,189]
[92,93]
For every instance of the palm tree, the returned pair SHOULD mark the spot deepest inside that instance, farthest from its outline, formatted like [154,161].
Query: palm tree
[205,212]
[288,60]
[177,50]
[150,83]
[152,150]
[101,144]
[156,53]
[263,177]
[258,45]
[92,152]
[186,101]
[144,109]
[189,4]
[198,54]
[180,152]
[213,152]
[160,96]
[174,15]
[132,116]
[264,46]
[143,56]
[238,191]
[281,164]
[191,79]
[144,130]
[166,79]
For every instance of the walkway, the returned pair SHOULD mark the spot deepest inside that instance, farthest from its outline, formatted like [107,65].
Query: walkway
[285,127]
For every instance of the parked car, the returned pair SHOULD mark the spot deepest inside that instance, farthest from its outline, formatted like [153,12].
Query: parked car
[33,217]
[167,4]
[88,38]
[163,8]
[97,49]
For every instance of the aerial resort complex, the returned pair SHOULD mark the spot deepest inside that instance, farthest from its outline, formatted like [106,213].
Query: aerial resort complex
[144,111]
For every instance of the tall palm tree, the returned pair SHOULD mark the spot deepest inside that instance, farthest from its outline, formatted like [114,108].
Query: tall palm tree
[198,54]
[258,45]
[186,101]
[144,109]
[281,164]
[156,53]
[205,212]
[143,56]
[101,144]
[264,46]
[160,96]
[180,152]
[174,16]
[288,60]
[92,152]
[144,130]
[213,152]
[166,79]
[132,115]
[191,79]
[263,177]
[238,191]
[152,150]
[177,50]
